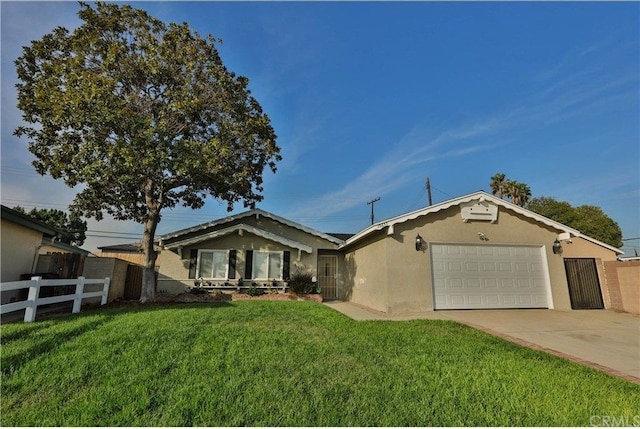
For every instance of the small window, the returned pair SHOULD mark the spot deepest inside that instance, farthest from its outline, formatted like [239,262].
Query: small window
[213,264]
[267,265]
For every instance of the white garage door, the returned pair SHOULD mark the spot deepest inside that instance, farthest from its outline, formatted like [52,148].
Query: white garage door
[484,276]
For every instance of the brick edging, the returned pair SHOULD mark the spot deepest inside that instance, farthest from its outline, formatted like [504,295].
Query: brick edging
[575,359]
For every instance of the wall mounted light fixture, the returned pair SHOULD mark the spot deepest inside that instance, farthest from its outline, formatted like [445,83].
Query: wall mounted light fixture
[419,243]
[557,247]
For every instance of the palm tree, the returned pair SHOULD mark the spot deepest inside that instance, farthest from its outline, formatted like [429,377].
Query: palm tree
[497,184]
[519,193]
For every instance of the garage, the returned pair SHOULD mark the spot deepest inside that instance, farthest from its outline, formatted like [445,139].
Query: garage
[484,276]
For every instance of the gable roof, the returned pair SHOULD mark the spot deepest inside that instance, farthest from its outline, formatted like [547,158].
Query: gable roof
[249,213]
[479,196]
[27,221]
[240,228]
[49,233]
[341,235]
[123,248]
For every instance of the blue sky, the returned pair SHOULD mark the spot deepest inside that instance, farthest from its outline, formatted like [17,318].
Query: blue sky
[368,99]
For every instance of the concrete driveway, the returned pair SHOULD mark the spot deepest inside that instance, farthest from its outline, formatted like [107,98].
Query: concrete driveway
[601,339]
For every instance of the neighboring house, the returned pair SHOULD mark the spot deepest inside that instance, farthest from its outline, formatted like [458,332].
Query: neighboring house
[472,252]
[129,252]
[23,240]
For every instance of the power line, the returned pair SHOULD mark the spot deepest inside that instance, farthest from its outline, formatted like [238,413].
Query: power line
[372,202]
[114,232]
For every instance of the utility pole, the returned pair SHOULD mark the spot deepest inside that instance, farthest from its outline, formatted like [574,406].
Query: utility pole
[371,203]
[429,191]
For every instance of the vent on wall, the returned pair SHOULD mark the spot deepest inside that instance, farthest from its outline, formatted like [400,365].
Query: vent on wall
[479,211]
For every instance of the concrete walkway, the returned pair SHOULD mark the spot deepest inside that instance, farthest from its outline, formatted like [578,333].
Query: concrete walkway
[602,339]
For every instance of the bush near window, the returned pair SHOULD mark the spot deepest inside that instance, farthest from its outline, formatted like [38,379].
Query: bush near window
[301,283]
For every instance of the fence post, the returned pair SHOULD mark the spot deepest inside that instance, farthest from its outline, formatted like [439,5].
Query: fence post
[105,291]
[77,301]
[32,300]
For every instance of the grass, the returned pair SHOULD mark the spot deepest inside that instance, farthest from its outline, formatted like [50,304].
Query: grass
[287,364]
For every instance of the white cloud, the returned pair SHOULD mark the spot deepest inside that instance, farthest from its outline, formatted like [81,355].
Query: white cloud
[399,166]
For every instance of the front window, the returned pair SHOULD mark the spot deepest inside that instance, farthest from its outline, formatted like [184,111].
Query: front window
[213,264]
[267,265]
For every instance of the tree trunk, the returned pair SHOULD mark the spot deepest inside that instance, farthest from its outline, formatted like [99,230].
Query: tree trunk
[149,274]
[148,237]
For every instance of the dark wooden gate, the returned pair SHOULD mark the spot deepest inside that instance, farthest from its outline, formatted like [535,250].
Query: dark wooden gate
[584,286]
[133,283]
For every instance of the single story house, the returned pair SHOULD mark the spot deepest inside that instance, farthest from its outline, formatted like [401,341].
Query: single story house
[253,247]
[472,252]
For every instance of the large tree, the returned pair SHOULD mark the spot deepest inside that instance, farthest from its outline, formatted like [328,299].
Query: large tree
[72,228]
[144,116]
[497,184]
[518,193]
[589,220]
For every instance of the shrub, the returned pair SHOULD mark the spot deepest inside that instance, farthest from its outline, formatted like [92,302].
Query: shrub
[301,283]
[254,291]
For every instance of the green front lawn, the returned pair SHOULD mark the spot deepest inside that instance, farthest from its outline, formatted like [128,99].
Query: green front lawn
[261,363]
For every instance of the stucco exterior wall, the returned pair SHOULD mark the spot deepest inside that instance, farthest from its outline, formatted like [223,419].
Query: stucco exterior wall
[19,248]
[408,271]
[366,280]
[581,248]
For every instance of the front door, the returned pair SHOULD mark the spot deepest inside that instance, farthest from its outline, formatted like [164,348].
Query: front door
[328,276]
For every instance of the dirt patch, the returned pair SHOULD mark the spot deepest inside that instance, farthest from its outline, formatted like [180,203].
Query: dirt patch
[164,299]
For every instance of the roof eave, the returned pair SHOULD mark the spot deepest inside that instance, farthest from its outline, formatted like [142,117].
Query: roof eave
[481,196]
[249,213]
[241,227]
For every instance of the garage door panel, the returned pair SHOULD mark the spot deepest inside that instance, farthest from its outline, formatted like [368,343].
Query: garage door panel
[489,267]
[507,299]
[453,267]
[493,299]
[472,267]
[520,267]
[474,284]
[472,276]
[506,283]
[491,284]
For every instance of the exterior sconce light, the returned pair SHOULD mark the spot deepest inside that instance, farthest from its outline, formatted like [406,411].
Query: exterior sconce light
[419,243]
[557,247]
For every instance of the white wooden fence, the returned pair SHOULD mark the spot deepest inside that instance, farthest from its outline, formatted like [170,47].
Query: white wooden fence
[33,300]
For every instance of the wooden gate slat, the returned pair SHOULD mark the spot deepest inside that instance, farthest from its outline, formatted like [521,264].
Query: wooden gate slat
[584,285]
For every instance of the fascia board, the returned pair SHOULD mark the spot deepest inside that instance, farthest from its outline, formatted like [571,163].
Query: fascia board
[27,221]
